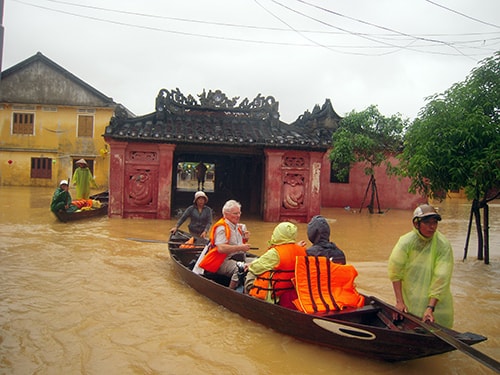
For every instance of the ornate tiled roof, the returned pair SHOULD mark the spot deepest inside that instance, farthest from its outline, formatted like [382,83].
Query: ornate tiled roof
[215,119]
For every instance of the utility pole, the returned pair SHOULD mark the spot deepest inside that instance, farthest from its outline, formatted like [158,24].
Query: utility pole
[1,36]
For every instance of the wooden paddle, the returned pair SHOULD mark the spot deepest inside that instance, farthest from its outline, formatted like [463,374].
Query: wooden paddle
[437,331]
[161,241]
[145,240]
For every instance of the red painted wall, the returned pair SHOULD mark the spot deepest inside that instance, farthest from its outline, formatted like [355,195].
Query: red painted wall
[140,180]
[392,193]
[292,185]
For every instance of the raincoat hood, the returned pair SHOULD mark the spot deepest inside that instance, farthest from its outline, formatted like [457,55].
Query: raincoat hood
[284,233]
[318,230]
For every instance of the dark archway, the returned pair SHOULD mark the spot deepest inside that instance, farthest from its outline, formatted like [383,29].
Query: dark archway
[235,176]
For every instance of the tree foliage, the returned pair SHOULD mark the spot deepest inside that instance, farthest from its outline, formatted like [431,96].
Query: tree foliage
[455,142]
[366,137]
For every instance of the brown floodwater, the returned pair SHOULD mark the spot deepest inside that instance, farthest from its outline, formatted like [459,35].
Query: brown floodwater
[89,298]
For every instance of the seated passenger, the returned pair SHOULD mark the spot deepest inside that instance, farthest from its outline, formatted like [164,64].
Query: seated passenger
[227,247]
[270,276]
[318,232]
[324,286]
[61,200]
[323,281]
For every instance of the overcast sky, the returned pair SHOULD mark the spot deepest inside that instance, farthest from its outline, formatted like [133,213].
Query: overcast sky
[357,53]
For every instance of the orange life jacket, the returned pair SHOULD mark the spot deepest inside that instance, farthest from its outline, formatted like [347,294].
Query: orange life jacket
[324,286]
[80,203]
[214,258]
[278,280]
[189,244]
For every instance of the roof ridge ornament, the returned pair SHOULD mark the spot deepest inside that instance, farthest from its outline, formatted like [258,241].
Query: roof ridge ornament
[175,102]
[216,99]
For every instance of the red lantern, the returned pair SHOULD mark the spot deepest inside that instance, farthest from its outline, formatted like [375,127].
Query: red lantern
[9,161]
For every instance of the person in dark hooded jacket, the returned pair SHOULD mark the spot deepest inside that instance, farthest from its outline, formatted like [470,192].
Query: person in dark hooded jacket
[318,232]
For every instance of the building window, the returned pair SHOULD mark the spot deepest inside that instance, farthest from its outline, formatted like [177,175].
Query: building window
[41,168]
[23,123]
[85,126]
[335,178]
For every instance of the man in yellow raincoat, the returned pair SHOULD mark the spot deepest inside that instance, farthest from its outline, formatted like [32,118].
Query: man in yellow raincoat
[420,268]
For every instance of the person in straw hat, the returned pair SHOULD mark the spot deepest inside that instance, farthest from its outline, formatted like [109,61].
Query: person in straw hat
[83,180]
[200,216]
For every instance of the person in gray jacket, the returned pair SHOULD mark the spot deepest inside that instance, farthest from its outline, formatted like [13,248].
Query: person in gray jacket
[318,232]
[200,216]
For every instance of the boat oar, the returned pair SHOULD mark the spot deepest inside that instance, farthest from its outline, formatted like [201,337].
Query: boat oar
[437,331]
[167,242]
[146,240]
[182,234]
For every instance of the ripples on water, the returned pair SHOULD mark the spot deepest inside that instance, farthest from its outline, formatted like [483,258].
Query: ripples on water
[84,298]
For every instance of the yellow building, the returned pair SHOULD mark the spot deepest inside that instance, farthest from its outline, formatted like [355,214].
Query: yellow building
[49,118]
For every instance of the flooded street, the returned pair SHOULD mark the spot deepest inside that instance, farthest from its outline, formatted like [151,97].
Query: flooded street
[100,297]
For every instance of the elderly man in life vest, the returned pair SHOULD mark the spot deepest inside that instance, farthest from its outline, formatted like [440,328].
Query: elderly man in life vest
[269,277]
[228,245]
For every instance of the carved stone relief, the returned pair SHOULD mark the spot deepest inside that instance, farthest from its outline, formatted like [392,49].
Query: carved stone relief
[140,189]
[293,191]
[143,156]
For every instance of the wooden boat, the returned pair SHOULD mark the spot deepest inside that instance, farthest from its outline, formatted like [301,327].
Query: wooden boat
[86,214]
[189,252]
[368,331]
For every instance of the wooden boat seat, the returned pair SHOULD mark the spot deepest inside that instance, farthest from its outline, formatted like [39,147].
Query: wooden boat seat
[219,279]
[367,309]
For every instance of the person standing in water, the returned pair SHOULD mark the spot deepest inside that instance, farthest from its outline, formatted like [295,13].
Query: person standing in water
[420,269]
[201,171]
[200,216]
[83,180]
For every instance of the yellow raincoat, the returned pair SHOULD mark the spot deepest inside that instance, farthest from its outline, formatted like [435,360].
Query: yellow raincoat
[424,267]
[83,180]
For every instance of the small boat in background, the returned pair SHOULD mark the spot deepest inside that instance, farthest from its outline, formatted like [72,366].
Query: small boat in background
[102,198]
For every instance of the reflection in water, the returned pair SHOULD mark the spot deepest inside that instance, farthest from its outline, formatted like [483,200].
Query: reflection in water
[83,297]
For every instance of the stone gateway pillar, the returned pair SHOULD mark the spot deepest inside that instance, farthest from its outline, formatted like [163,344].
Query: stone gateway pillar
[292,185]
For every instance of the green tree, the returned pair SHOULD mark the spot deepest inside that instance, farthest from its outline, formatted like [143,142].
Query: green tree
[366,137]
[455,144]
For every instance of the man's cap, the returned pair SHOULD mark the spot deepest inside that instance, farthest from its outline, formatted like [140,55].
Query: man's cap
[425,210]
